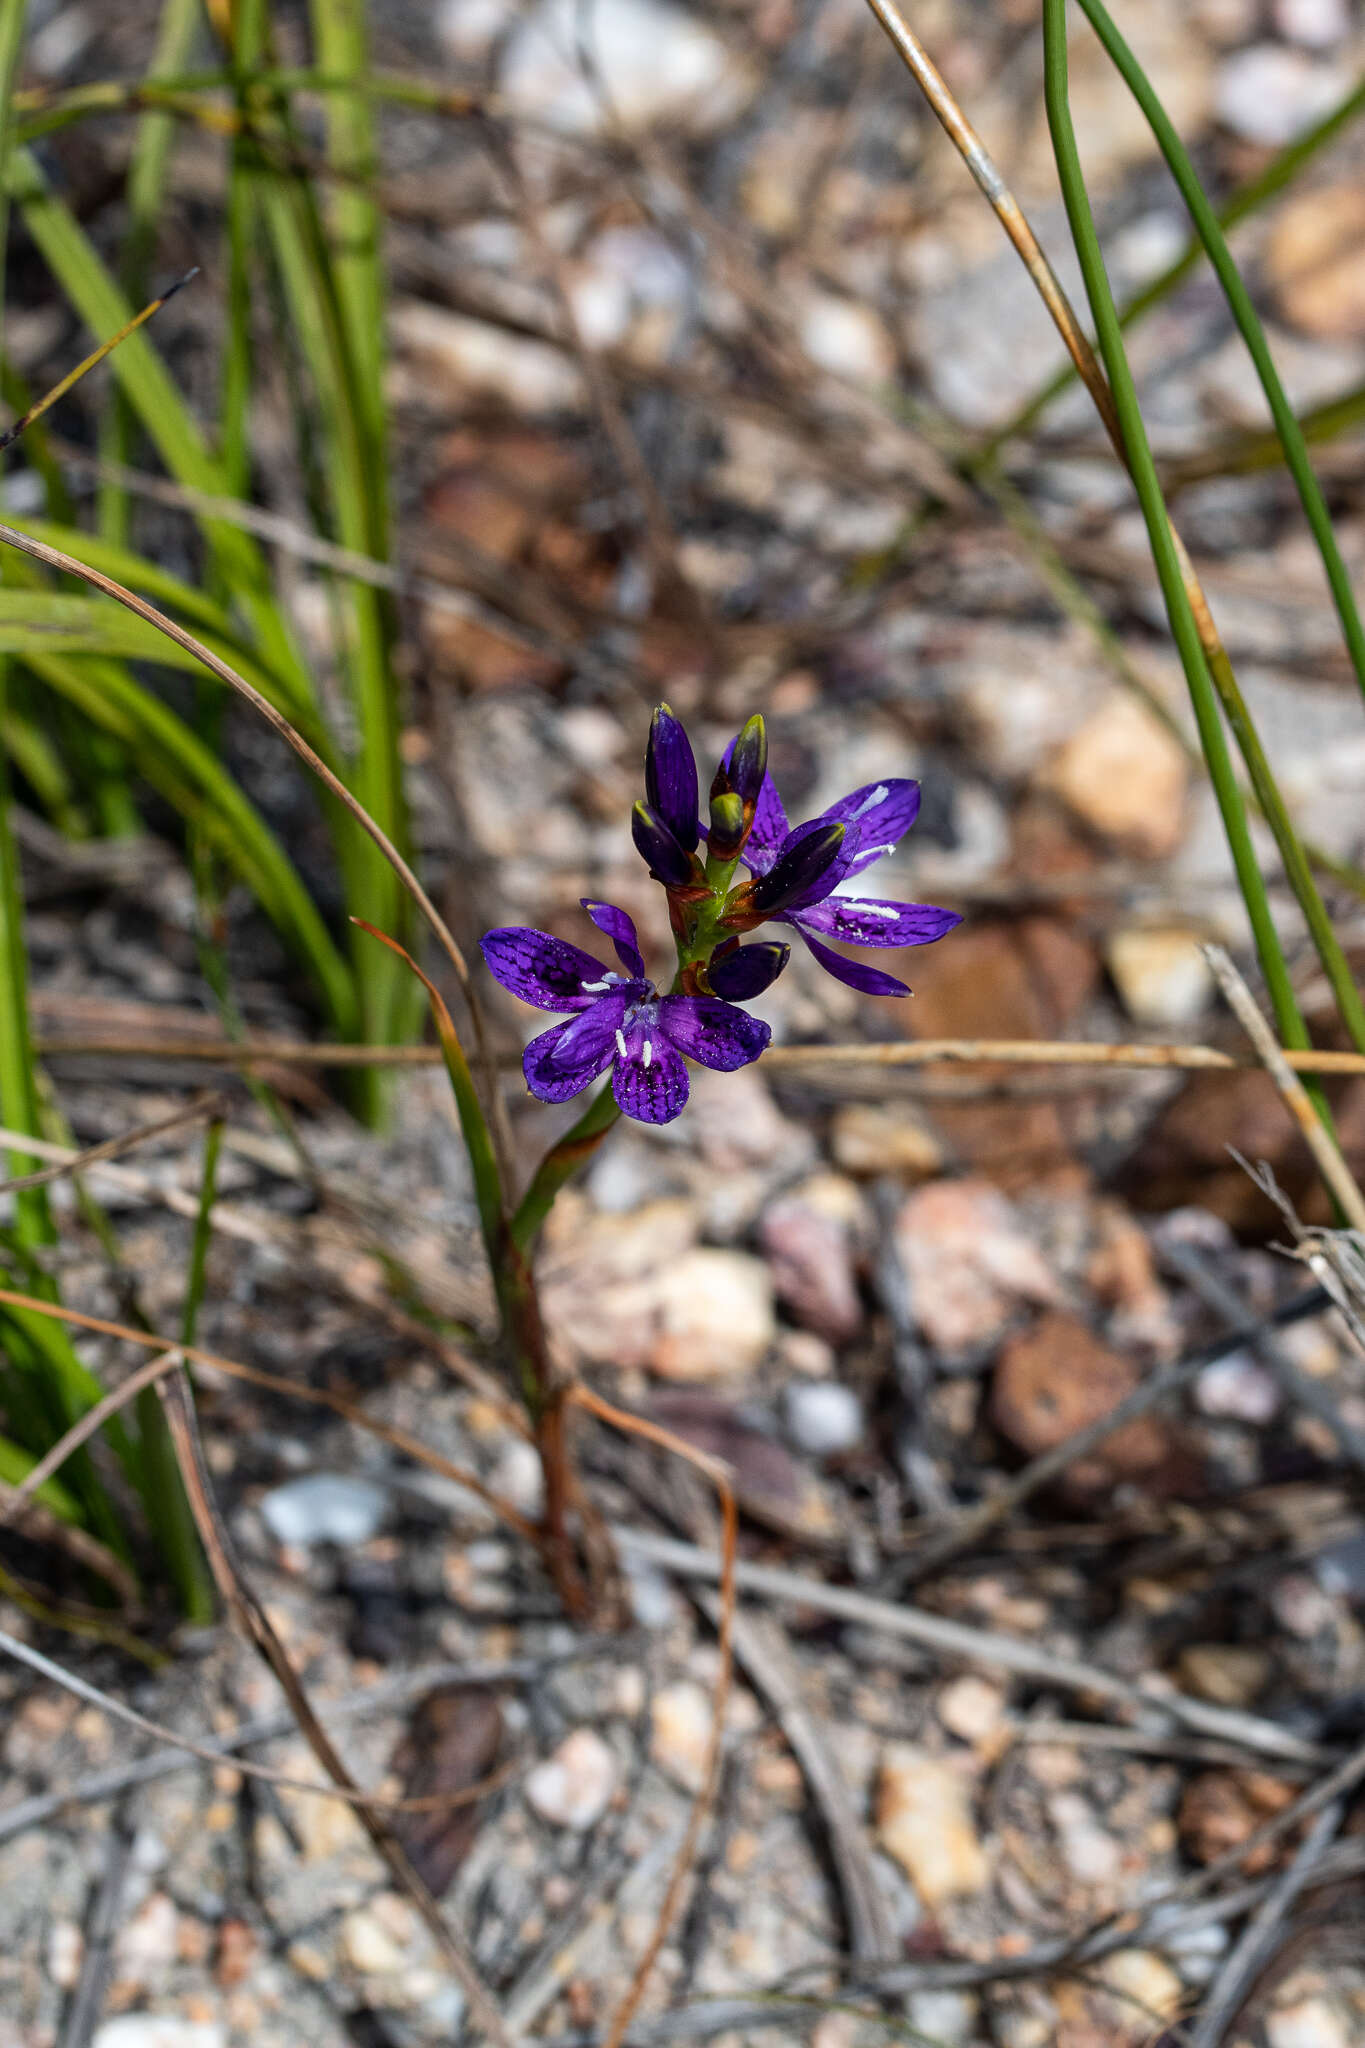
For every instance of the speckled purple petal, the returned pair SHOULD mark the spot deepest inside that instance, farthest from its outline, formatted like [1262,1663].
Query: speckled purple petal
[553,1078]
[868,921]
[883,813]
[542,969]
[713,1033]
[620,929]
[649,1080]
[869,981]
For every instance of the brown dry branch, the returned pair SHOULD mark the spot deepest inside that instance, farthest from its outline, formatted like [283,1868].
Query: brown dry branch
[383,1697]
[20,1496]
[921,1052]
[255,1623]
[1261,1936]
[212,1752]
[957,1639]
[317,1397]
[203,1107]
[56,559]
[1326,1154]
[636,1425]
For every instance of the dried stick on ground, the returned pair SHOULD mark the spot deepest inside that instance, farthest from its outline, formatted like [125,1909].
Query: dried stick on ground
[1327,1157]
[956,1639]
[1250,1955]
[206,1107]
[972,1524]
[1300,1387]
[920,1052]
[255,1623]
[87,2000]
[388,1695]
[314,1397]
[207,1752]
[762,1651]
[718,1474]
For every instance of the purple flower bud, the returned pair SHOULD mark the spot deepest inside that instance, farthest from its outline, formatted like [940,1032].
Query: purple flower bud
[804,872]
[746,971]
[728,830]
[749,761]
[671,778]
[668,862]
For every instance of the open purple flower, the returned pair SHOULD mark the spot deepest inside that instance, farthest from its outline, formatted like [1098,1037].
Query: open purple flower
[617,1021]
[875,819]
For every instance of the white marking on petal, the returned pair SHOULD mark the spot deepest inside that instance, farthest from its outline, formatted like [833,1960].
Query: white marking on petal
[621,1043]
[886,910]
[647,1052]
[595,988]
[870,802]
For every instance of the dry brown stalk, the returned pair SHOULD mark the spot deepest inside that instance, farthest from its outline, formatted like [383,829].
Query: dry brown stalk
[635,1425]
[317,1397]
[255,1623]
[204,1106]
[920,1052]
[1326,1155]
[56,559]
[213,1753]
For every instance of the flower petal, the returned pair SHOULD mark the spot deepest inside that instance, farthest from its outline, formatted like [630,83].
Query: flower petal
[542,969]
[671,778]
[554,1078]
[649,1080]
[883,813]
[746,971]
[868,921]
[869,981]
[620,929]
[770,826]
[812,861]
[713,1033]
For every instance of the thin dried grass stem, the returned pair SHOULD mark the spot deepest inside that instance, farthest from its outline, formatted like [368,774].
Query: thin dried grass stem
[718,1474]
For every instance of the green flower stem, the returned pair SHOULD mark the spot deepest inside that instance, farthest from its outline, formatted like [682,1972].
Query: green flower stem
[560,1163]
[1246,201]
[1138,454]
[1214,243]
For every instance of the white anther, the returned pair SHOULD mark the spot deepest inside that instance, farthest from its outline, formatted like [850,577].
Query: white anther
[621,1043]
[647,1052]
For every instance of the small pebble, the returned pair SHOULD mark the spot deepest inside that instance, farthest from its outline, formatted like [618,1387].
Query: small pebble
[682,1722]
[823,1417]
[924,1820]
[1238,1388]
[159,2030]
[1270,93]
[572,1788]
[1312,2023]
[324,1507]
[1315,24]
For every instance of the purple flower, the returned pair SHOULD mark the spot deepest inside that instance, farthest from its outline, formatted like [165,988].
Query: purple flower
[617,1020]
[875,819]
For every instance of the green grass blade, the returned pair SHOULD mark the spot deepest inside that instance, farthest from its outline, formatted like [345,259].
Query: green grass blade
[163,413]
[1138,454]
[177,763]
[15,1466]
[1215,246]
[1268,183]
